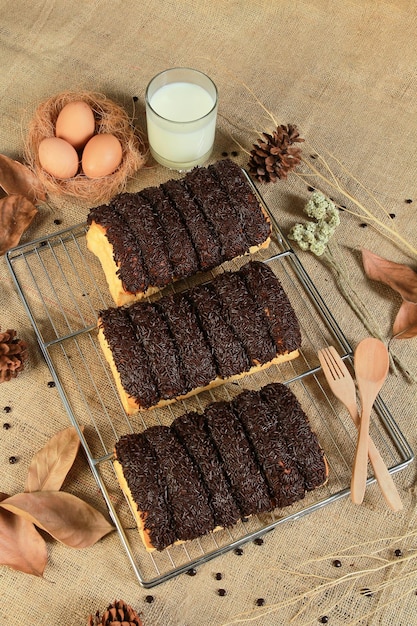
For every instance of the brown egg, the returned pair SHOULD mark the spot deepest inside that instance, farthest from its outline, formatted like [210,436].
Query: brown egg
[58,157]
[75,124]
[102,155]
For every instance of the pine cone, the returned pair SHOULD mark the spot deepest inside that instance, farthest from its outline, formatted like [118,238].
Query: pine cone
[13,354]
[117,614]
[277,155]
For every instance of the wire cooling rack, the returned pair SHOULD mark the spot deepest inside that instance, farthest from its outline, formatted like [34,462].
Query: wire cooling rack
[62,288]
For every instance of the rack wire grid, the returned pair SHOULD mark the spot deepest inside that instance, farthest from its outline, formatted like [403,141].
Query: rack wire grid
[62,287]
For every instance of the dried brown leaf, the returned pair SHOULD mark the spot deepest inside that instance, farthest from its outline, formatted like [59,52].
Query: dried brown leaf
[52,463]
[405,324]
[21,546]
[402,279]
[17,179]
[399,277]
[16,214]
[65,517]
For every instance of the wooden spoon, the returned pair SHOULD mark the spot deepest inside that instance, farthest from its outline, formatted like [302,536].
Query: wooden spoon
[371,362]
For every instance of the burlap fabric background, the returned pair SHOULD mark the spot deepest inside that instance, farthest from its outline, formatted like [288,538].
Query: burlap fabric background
[345,73]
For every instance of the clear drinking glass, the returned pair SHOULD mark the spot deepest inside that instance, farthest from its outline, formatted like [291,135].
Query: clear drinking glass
[181,112]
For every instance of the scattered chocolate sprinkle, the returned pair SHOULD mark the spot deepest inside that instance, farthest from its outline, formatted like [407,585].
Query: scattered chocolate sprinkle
[57,222]
[408,201]
[192,571]
[238,551]
[7,409]
[221,592]
[363,225]
[135,98]
[43,244]
[398,552]
[218,576]
[337,563]
[234,153]
[149,599]
[51,383]
[6,426]
[392,215]
[313,156]
[310,188]
[225,154]
[366,592]
[260,602]
[324,619]
[245,520]
[258,541]
[12,460]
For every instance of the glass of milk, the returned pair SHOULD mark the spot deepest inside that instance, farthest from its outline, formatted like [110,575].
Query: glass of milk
[181,111]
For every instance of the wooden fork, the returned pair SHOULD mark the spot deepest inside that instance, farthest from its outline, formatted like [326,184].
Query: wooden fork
[343,387]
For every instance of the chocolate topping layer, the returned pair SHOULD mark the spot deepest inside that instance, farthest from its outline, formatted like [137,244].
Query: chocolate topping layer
[185,341]
[185,492]
[129,355]
[248,485]
[205,240]
[179,245]
[192,432]
[142,474]
[245,317]
[161,351]
[236,459]
[148,231]
[228,351]
[278,465]
[283,324]
[243,200]
[219,212]
[295,430]
[126,251]
[194,351]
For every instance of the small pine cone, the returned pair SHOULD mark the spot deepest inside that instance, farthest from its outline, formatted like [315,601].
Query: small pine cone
[13,354]
[117,614]
[276,155]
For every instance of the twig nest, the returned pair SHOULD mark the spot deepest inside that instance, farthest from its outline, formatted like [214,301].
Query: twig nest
[109,119]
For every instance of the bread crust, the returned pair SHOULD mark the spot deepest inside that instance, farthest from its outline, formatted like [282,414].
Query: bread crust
[139,517]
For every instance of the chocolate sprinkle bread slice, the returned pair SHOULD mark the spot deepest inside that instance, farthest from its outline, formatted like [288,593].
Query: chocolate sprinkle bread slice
[200,338]
[148,239]
[208,470]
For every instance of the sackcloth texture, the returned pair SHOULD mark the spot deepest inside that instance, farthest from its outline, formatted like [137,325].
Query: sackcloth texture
[345,74]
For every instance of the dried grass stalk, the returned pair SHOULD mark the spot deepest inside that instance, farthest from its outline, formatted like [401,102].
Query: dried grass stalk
[110,118]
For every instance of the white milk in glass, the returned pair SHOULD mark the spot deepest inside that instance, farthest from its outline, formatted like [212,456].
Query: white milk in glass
[181,123]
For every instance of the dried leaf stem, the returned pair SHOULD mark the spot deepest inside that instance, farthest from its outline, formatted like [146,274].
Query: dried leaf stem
[364,212]
[350,580]
[332,180]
